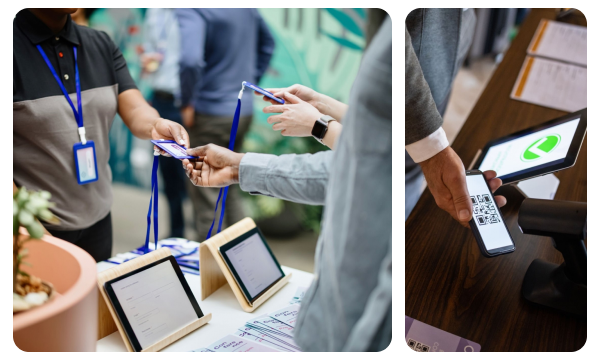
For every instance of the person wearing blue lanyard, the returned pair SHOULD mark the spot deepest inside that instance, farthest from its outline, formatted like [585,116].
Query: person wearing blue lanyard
[69,81]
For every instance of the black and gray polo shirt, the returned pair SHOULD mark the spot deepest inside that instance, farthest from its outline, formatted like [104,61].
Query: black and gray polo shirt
[44,128]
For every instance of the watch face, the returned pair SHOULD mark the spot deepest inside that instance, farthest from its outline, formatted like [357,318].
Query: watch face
[318,130]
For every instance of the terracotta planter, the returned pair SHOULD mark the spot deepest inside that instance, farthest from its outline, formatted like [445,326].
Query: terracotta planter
[68,321]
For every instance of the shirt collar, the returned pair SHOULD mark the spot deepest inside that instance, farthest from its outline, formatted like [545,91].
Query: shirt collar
[37,32]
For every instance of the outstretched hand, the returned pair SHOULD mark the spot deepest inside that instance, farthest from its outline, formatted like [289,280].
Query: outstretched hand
[216,166]
[446,179]
[296,117]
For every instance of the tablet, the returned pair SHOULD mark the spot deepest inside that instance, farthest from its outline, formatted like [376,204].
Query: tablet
[252,264]
[152,302]
[536,151]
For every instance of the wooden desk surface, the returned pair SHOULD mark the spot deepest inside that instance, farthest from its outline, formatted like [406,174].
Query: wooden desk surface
[449,284]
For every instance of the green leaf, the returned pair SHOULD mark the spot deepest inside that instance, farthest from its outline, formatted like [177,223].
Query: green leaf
[46,215]
[15,208]
[346,21]
[22,195]
[344,42]
[24,273]
[45,195]
[26,218]
[35,230]
[26,263]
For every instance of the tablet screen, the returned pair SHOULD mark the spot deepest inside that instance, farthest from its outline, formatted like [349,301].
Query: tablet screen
[154,302]
[252,263]
[530,150]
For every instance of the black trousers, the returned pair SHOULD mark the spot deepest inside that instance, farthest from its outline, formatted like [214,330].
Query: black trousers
[96,240]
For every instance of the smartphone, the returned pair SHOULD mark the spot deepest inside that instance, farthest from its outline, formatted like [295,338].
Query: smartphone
[487,223]
[263,91]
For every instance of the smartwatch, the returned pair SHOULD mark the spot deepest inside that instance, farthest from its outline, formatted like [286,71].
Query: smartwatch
[320,128]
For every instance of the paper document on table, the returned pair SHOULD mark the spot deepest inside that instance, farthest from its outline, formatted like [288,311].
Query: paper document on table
[552,84]
[287,315]
[232,343]
[560,41]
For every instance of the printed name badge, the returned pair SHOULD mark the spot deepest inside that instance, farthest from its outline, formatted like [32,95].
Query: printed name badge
[85,162]
[172,148]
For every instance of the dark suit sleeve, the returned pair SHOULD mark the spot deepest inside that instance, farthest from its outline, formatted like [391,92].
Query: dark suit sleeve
[422,117]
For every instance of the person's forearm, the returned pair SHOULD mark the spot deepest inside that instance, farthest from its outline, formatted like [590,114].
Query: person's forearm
[330,106]
[142,120]
[334,129]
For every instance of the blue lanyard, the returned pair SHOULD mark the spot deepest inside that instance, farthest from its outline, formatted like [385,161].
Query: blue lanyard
[78,114]
[223,191]
[154,194]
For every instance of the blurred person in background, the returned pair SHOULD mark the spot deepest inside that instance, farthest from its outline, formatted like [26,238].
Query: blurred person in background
[348,306]
[221,48]
[52,56]
[160,66]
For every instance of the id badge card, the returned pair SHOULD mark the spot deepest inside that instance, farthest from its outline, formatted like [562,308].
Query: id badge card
[85,162]
[174,149]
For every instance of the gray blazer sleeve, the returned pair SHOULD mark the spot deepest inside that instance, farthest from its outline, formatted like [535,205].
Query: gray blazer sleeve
[298,178]
[422,116]
[373,330]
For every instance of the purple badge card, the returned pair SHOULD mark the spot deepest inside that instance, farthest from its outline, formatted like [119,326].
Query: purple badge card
[425,338]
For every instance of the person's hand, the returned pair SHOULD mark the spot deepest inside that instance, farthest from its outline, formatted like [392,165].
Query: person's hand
[446,179]
[187,116]
[215,167]
[169,130]
[304,93]
[296,118]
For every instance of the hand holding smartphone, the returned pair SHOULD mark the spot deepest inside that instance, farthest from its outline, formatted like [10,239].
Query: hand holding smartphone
[487,224]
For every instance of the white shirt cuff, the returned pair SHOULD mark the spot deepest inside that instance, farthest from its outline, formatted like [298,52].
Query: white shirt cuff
[428,147]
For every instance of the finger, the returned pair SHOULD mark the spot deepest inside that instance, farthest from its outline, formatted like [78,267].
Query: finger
[460,197]
[198,151]
[291,98]
[274,119]
[274,109]
[489,174]
[184,163]
[500,200]
[494,184]
[177,132]
[278,127]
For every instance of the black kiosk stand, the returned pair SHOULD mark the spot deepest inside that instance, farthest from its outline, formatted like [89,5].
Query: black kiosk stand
[564,286]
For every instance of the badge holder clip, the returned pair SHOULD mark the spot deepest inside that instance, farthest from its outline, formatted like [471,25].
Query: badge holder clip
[108,322]
[214,273]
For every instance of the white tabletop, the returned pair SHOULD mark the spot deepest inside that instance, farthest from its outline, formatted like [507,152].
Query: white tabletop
[227,315]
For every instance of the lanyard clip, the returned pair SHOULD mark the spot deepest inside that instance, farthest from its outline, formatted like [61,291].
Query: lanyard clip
[242,91]
[82,135]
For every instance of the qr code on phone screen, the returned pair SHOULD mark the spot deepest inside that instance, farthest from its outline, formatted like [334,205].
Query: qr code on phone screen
[484,210]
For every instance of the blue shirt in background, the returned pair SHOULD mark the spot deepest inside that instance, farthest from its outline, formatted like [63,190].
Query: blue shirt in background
[220,48]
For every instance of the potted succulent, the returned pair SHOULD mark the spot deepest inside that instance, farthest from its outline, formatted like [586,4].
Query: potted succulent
[28,208]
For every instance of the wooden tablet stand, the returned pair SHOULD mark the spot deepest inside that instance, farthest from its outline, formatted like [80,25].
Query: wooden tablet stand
[214,273]
[108,322]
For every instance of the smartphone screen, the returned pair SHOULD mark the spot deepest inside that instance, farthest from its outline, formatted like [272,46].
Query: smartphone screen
[493,232]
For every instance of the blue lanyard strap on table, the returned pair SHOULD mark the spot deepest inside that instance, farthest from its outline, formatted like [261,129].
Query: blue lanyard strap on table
[223,191]
[77,112]
[154,194]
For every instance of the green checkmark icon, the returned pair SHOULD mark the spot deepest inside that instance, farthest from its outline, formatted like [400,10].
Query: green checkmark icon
[541,147]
